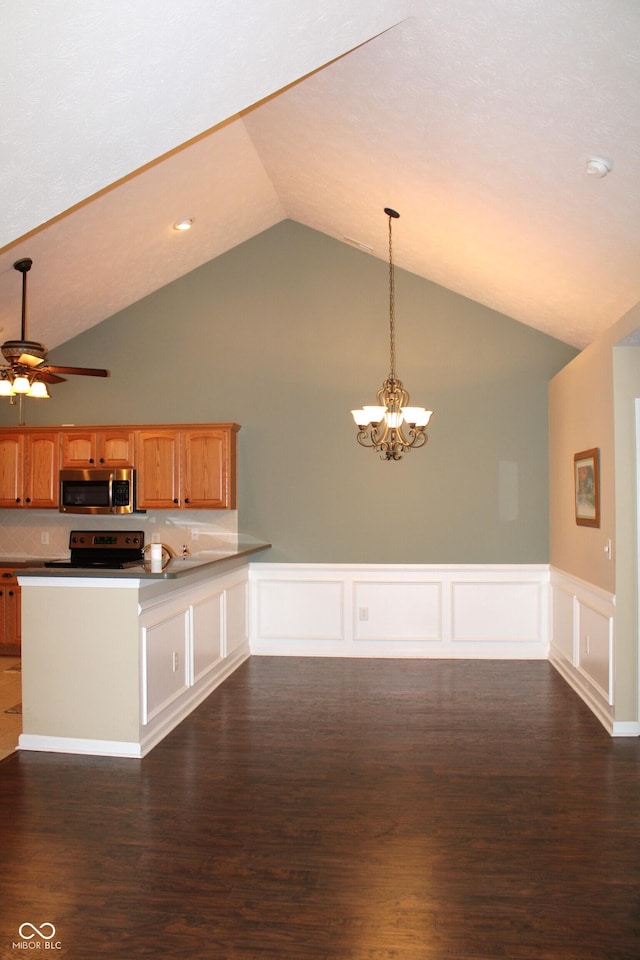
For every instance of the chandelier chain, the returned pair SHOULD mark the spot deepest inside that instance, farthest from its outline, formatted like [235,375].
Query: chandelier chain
[392,310]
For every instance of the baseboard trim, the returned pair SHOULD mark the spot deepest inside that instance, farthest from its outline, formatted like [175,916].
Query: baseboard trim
[585,691]
[161,726]
[96,748]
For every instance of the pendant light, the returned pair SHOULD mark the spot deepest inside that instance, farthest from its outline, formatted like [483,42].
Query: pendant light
[392,427]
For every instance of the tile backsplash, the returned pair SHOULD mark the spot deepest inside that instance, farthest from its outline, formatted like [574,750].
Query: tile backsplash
[24,533]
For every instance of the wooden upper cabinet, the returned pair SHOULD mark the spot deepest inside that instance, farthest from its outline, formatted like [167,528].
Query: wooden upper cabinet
[204,460]
[111,447]
[190,468]
[11,469]
[157,469]
[41,488]
[29,469]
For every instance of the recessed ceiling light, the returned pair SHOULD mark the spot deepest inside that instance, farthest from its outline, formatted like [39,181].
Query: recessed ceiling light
[185,224]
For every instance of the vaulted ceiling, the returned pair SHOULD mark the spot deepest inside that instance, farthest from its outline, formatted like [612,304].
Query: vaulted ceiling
[475,119]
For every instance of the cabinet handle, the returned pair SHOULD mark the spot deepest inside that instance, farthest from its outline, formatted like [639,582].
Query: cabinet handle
[7,574]
[28,500]
[186,500]
[176,500]
[17,499]
[10,593]
[91,460]
[102,460]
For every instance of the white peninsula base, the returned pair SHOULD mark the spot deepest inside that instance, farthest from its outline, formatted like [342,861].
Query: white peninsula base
[111,665]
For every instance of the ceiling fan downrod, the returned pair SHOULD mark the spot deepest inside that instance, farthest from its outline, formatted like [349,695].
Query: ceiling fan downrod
[23,266]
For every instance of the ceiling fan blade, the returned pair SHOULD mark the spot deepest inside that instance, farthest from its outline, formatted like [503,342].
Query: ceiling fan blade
[46,375]
[80,371]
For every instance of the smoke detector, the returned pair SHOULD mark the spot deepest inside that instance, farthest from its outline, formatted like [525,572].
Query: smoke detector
[599,166]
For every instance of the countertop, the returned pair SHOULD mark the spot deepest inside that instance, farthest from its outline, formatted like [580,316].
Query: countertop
[232,548]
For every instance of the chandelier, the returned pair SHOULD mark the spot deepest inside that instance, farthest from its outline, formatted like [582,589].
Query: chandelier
[392,426]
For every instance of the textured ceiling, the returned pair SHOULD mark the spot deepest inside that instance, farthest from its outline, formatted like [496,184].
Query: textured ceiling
[474,119]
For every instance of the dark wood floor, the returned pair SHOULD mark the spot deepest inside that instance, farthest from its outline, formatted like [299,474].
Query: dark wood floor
[338,810]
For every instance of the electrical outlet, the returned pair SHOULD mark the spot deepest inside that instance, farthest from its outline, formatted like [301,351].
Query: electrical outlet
[194,533]
[155,536]
[176,661]
[363,613]
[44,536]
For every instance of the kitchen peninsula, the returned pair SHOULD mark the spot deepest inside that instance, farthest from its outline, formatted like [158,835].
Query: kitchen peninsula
[112,661]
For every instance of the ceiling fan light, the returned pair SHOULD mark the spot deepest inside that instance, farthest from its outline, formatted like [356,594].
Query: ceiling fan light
[21,384]
[39,390]
[6,388]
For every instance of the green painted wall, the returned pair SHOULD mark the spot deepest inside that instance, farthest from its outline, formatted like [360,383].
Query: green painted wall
[287,333]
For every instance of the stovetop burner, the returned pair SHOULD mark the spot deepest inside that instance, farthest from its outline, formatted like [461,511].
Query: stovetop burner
[103,549]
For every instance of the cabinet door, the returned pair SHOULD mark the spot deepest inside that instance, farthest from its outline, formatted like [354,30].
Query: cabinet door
[11,469]
[115,447]
[111,447]
[204,460]
[78,449]
[158,469]
[9,614]
[41,487]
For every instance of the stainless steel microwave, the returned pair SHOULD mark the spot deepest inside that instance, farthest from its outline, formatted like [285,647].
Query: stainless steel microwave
[109,490]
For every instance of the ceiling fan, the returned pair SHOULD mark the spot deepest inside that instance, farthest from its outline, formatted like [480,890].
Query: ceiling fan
[28,372]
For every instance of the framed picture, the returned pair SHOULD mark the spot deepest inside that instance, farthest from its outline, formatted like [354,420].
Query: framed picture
[587,487]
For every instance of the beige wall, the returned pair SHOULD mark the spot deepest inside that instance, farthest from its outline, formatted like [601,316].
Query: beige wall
[286,334]
[584,408]
[592,404]
[580,418]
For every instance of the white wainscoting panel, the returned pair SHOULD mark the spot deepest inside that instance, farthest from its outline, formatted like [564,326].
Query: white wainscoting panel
[563,636]
[299,609]
[396,611]
[506,611]
[419,610]
[582,642]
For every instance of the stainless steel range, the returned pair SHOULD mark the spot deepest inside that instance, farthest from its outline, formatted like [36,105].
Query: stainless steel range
[103,549]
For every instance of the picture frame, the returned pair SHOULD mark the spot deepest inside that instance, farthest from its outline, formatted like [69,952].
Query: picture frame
[586,476]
